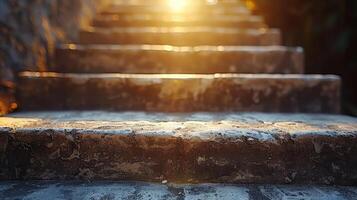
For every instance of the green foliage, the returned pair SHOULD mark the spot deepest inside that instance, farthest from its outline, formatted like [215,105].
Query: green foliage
[327,29]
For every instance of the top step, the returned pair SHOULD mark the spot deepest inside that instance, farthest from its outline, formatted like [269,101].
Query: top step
[163,10]
[142,20]
[151,2]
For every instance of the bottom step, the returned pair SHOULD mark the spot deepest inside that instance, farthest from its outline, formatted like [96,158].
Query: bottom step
[199,147]
[145,191]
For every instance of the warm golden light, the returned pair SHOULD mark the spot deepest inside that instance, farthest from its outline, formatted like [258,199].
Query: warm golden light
[251,5]
[212,1]
[177,5]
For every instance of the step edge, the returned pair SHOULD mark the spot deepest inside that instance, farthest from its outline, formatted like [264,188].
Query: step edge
[145,47]
[33,74]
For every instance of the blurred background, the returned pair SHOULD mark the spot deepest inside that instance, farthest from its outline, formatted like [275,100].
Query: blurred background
[327,29]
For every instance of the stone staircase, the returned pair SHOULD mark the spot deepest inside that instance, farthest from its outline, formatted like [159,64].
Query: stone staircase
[206,94]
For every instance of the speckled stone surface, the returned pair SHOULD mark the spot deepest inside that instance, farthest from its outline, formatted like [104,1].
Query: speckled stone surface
[199,147]
[179,93]
[170,59]
[184,20]
[180,36]
[39,190]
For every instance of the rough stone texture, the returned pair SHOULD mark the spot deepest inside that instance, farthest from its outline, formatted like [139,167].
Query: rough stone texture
[29,30]
[181,36]
[172,21]
[169,59]
[225,147]
[180,93]
[38,190]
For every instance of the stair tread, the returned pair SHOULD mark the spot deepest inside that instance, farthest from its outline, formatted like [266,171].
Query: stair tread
[174,18]
[182,36]
[249,120]
[174,59]
[165,9]
[305,77]
[180,92]
[199,146]
[171,21]
[203,29]
[114,47]
[161,2]
[145,191]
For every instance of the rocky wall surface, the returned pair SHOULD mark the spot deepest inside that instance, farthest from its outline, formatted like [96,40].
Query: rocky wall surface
[30,30]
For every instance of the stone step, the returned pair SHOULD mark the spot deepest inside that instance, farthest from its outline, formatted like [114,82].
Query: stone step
[205,10]
[158,59]
[178,21]
[165,2]
[191,148]
[179,92]
[76,190]
[181,36]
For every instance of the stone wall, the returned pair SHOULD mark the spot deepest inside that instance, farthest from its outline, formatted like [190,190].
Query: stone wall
[30,30]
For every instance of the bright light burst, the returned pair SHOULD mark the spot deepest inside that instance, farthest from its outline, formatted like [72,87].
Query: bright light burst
[178,5]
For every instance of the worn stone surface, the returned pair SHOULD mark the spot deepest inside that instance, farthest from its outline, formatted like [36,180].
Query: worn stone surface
[179,93]
[30,30]
[200,147]
[182,36]
[170,59]
[180,21]
[38,190]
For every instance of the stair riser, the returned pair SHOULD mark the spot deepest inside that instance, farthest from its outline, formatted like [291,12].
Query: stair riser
[181,38]
[78,154]
[146,60]
[166,23]
[180,94]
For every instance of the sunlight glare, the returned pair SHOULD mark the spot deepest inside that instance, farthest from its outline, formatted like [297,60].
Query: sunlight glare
[177,5]
[212,2]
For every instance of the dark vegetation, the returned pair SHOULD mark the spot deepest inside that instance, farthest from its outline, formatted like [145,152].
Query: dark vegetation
[327,29]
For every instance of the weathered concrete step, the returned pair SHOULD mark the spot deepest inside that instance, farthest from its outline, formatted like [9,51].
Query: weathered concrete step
[167,10]
[198,147]
[76,190]
[181,36]
[179,92]
[171,59]
[174,21]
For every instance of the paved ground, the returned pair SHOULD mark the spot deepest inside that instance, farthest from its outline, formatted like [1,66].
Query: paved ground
[139,190]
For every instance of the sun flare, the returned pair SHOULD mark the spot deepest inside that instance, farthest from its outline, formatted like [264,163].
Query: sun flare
[177,5]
